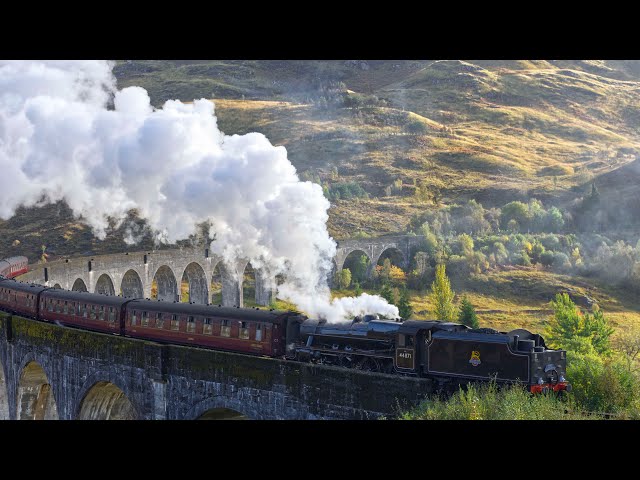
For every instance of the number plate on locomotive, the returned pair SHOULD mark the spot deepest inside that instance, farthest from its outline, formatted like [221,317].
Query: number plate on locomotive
[404,358]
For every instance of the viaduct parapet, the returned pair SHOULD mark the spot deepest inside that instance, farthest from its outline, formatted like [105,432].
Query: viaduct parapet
[54,372]
[210,280]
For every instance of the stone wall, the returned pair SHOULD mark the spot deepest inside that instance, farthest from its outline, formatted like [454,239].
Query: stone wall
[174,382]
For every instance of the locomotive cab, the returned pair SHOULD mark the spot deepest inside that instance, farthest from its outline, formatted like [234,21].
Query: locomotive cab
[292,333]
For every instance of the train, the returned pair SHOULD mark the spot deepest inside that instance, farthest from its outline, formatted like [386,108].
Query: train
[450,354]
[14,266]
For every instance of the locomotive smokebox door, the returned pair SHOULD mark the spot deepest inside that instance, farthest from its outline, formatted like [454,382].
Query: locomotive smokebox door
[405,352]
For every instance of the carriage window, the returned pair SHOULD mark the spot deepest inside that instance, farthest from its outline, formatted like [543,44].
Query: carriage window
[93,312]
[244,330]
[259,332]
[159,321]
[85,311]
[101,314]
[50,306]
[225,329]
[206,327]
[79,310]
[145,319]
[175,324]
[112,314]
[191,324]
[134,315]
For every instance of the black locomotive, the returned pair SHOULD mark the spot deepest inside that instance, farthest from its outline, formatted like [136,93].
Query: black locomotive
[449,353]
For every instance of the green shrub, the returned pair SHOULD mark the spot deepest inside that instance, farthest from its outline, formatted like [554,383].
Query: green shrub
[487,402]
[603,385]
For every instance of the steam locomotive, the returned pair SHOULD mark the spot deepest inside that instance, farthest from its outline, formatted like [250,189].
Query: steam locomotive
[449,353]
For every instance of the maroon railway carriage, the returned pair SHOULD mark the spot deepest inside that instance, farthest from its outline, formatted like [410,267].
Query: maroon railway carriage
[13,266]
[102,313]
[263,332]
[20,298]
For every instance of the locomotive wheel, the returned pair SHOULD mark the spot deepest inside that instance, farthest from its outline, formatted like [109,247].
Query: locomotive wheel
[365,364]
[387,367]
[345,362]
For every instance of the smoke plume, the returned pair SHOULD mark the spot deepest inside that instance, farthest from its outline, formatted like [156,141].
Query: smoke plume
[58,140]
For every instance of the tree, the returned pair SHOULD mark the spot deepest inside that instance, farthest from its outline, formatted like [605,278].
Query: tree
[547,258]
[517,211]
[343,278]
[384,270]
[573,330]
[536,251]
[387,293]
[442,296]
[629,344]
[397,275]
[465,243]
[404,304]
[554,221]
[500,253]
[357,290]
[360,268]
[467,315]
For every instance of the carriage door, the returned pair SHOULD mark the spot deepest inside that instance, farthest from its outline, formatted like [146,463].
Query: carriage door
[405,352]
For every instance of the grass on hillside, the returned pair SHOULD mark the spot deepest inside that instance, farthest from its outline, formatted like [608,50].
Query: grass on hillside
[520,298]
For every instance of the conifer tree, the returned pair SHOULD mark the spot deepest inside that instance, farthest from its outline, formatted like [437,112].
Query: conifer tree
[467,314]
[442,296]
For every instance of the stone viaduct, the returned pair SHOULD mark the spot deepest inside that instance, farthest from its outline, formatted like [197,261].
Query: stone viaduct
[53,372]
[210,281]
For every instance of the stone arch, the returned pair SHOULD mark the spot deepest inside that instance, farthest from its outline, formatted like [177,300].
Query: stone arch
[4,395]
[196,282]
[213,407]
[106,401]
[58,286]
[132,285]
[394,254]
[249,286]
[351,261]
[35,398]
[105,285]
[166,285]
[102,379]
[79,286]
[222,414]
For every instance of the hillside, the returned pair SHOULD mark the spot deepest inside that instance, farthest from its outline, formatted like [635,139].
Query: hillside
[450,130]
[493,131]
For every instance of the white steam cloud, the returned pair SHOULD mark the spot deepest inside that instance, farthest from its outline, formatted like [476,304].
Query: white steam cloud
[59,141]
